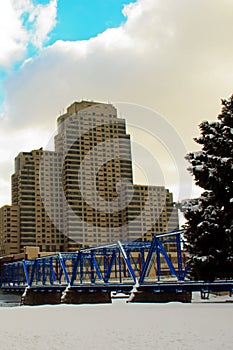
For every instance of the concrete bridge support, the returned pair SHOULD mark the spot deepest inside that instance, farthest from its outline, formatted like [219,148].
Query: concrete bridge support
[73,296]
[33,297]
[142,295]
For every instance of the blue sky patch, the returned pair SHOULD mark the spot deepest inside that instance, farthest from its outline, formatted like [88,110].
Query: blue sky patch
[42,2]
[80,20]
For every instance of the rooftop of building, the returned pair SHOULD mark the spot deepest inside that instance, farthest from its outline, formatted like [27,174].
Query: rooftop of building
[76,107]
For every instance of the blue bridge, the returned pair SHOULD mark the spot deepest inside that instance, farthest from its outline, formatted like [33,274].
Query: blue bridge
[145,271]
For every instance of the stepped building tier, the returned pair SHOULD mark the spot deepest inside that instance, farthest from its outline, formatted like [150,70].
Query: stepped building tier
[82,193]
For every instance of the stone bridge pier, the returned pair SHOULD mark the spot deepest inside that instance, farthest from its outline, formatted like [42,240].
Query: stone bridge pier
[35,297]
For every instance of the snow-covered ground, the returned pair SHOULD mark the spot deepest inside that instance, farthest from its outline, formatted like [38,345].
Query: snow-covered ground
[176,326]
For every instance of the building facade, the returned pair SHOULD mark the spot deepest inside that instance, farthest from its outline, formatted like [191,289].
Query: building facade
[9,230]
[35,226]
[82,193]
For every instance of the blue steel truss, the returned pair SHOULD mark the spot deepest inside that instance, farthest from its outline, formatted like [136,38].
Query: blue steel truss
[114,267]
[115,264]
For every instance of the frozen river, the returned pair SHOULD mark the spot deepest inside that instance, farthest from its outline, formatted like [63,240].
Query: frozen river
[118,326]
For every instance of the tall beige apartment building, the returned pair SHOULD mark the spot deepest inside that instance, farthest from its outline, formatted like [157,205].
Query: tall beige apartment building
[35,226]
[82,193]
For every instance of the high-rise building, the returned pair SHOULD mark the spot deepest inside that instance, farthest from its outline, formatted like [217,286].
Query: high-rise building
[35,226]
[82,193]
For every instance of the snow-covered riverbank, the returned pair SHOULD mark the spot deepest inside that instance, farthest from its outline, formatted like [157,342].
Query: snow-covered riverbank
[118,326]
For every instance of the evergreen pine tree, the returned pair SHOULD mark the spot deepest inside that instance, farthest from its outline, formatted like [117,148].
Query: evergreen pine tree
[209,227]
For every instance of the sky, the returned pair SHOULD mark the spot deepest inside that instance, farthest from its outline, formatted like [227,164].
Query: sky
[164,63]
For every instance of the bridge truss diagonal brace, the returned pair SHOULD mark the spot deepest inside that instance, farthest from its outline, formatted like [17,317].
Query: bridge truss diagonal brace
[96,266]
[75,268]
[157,246]
[167,259]
[63,265]
[26,272]
[107,271]
[127,261]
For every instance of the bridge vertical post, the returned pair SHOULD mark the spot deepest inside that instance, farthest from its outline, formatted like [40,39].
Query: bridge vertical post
[81,268]
[13,274]
[57,270]
[142,252]
[75,268]
[158,260]
[52,275]
[38,274]
[3,273]
[142,259]
[179,258]
[8,274]
[115,266]
[92,267]
[105,264]
[43,272]
[33,271]
[73,262]
[119,264]
[18,273]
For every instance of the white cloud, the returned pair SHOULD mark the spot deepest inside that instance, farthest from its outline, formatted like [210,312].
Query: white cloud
[12,34]
[15,35]
[44,19]
[174,57]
